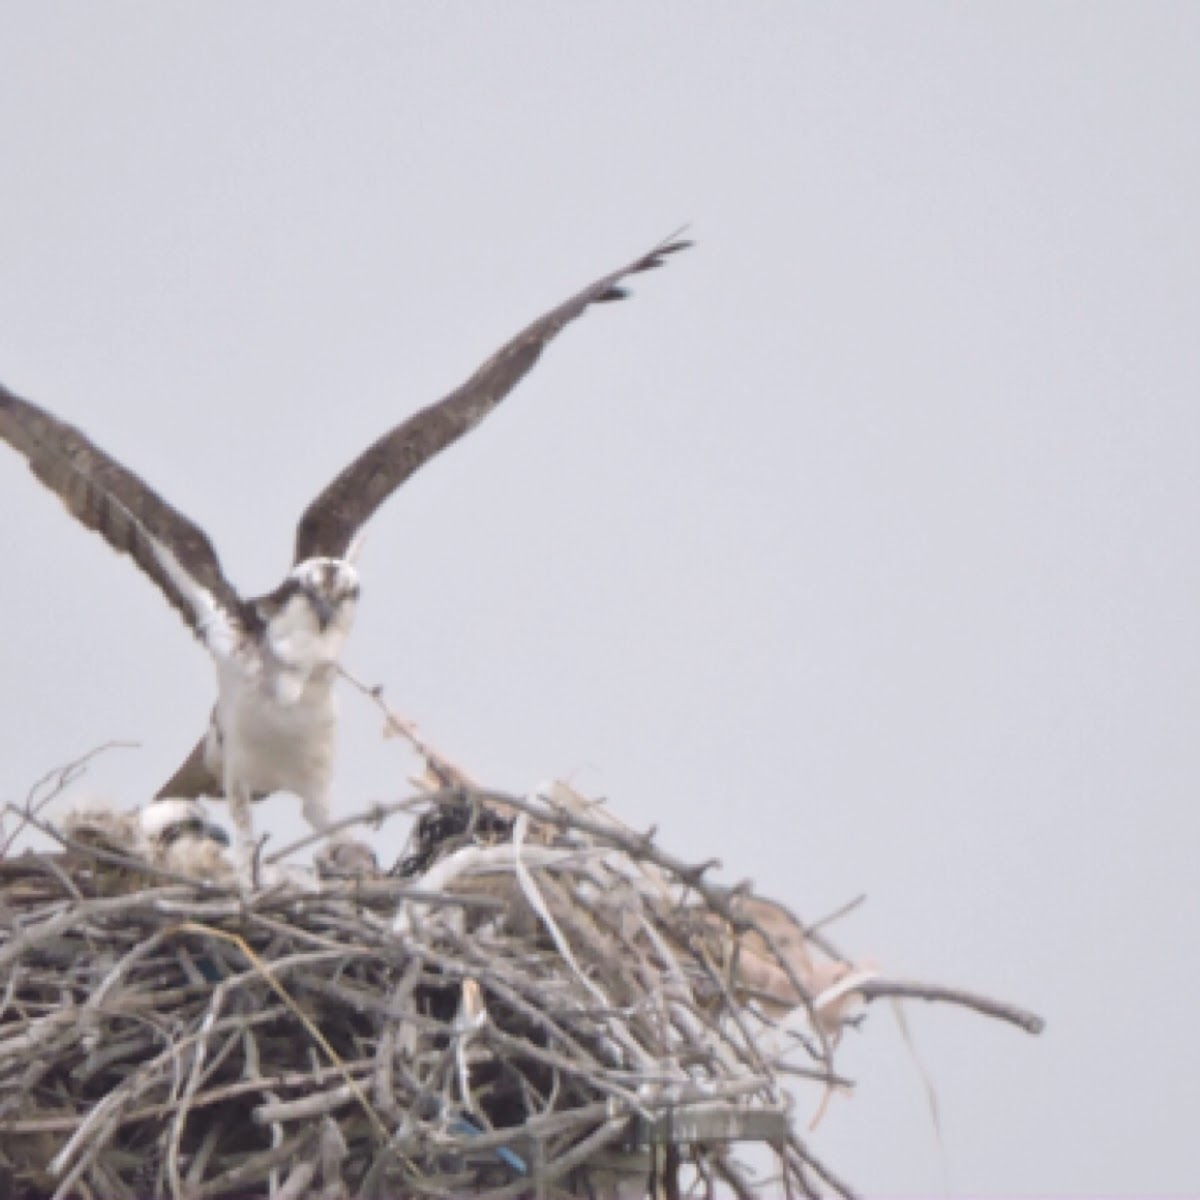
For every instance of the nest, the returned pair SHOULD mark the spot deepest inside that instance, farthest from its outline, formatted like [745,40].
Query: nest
[534,1001]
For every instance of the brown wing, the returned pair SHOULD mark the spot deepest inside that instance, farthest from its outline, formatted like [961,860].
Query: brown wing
[335,516]
[116,504]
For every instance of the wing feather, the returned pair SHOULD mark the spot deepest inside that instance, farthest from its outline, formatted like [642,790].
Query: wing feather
[329,524]
[131,517]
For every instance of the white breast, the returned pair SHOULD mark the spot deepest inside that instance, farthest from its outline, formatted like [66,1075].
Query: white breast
[274,741]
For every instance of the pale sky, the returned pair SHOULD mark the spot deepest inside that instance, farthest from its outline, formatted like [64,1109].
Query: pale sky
[857,548]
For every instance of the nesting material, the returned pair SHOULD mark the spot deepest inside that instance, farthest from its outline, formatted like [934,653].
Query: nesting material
[534,1001]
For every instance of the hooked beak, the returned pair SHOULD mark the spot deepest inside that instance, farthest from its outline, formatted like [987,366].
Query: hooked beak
[322,607]
[215,832]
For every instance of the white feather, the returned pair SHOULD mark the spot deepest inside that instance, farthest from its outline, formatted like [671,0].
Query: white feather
[218,628]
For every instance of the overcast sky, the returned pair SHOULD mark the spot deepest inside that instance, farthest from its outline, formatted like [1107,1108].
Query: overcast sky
[857,548]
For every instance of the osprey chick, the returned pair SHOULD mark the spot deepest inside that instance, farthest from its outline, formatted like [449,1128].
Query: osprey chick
[274,724]
[175,834]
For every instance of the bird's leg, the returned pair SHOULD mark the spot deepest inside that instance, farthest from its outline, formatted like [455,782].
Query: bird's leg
[238,795]
[316,810]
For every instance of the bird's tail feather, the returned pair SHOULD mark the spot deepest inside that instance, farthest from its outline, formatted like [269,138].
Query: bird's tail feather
[193,779]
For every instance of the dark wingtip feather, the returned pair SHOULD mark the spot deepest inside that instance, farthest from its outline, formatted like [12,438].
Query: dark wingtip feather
[671,246]
[675,246]
[655,258]
[613,293]
[658,255]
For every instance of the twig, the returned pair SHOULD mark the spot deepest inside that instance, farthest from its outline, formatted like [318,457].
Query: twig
[56,781]
[448,774]
[902,989]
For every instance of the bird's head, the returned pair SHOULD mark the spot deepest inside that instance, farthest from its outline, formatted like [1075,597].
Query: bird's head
[164,822]
[178,835]
[330,585]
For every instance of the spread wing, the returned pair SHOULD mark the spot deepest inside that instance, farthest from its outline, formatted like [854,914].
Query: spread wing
[133,519]
[335,516]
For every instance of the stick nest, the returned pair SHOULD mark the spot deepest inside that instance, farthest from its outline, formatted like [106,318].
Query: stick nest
[535,1000]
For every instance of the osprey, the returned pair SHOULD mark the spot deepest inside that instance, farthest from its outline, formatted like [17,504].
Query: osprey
[274,723]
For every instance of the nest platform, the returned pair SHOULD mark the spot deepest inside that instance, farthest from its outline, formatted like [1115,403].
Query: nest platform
[535,1001]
